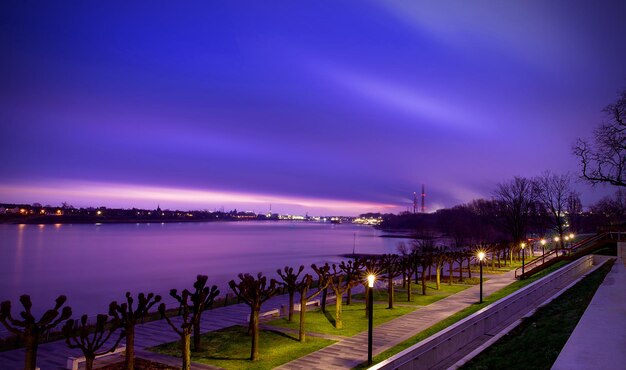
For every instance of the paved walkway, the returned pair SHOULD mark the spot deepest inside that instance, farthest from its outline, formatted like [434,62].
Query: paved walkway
[345,354]
[53,356]
[353,351]
[599,340]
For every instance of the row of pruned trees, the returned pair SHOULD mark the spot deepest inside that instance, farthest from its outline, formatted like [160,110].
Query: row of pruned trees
[254,290]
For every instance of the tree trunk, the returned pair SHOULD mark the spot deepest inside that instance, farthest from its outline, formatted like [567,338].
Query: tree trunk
[302,336]
[187,349]
[438,277]
[89,362]
[460,270]
[338,310]
[469,267]
[349,296]
[31,344]
[196,335]
[130,348]
[450,265]
[408,290]
[254,352]
[390,292]
[324,294]
[423,281]
[430,272]
[404,279]
[290,317]
[251,322]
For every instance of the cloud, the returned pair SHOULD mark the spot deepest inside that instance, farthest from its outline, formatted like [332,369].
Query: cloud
[406,100]
[132,195]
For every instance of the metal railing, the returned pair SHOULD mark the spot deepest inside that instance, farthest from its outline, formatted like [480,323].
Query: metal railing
[552,257]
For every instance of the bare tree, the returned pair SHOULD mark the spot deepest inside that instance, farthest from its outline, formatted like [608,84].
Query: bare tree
[303,287]
[29,328]
[254,292]
[515,199]
[90,339]
[290,282]
[604,160]
[613,208]
[574,209]
[201,299]
[128,317]
[552,191]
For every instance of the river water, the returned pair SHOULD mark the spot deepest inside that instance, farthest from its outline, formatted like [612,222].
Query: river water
[95,264]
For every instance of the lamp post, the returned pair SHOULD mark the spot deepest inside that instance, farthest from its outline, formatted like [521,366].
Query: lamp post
[370,327]
[523,245]
[556,245]
[481,257]
[543,250]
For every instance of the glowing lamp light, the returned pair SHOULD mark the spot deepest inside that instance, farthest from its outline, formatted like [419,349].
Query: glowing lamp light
[481,256]
[566,238]
[370,280]
[571,235]
[523,245]
[556,238]
[543,242]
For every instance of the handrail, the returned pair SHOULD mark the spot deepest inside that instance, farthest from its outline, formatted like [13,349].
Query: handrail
[585,243]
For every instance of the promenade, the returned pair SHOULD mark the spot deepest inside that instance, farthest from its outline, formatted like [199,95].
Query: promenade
[345,354]
[599,339]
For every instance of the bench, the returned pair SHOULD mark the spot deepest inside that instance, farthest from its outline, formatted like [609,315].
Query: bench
[72,362]
[266,314]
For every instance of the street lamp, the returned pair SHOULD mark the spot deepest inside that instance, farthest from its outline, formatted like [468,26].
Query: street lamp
[370,328]
[523,245]
[556,245]
[543,250]
[481,257]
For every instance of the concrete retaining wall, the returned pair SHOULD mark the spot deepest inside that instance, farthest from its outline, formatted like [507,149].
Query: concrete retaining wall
[434,349]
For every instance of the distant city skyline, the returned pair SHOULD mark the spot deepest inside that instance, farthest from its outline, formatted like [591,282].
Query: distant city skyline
[326,108]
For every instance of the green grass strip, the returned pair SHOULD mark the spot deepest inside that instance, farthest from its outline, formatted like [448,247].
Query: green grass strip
[538,340]
[229,348]
[353,317]
[462,314]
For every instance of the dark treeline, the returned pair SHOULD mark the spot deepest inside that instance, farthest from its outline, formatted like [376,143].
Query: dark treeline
[38,214]
[519,208]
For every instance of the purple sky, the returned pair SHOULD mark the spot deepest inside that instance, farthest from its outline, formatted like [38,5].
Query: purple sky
[320,107]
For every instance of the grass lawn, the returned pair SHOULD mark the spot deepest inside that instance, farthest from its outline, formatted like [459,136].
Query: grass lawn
[229,348]
[463,314]
[432,294]
[537,342]
[354,320]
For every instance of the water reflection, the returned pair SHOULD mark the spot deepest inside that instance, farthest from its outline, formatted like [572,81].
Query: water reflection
[95,265]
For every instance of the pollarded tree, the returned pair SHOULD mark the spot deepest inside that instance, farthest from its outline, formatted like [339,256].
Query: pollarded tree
[423,256]
[440,256]
[409,267]
[254,292]
[303,288]
[341,280]
[186,326]
[91,338]
[129,317]
[604,160]
[290,282]
[29,328]
[353,270]
[391,266]
[201,299]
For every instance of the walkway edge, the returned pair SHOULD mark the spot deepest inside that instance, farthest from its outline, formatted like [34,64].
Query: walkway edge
[506,330]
